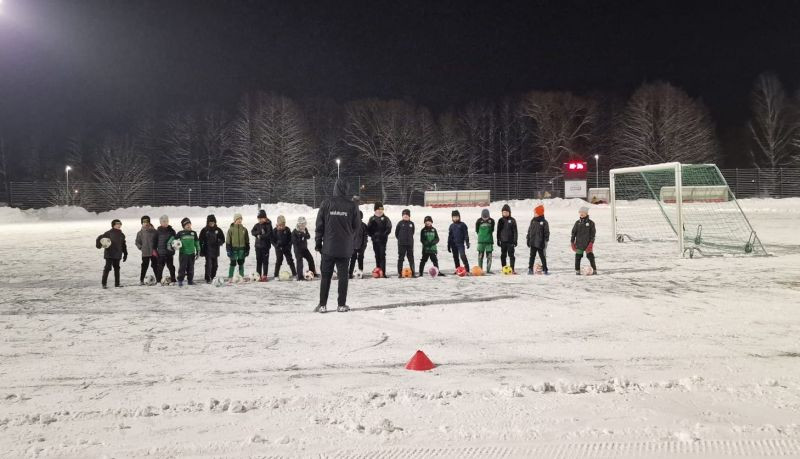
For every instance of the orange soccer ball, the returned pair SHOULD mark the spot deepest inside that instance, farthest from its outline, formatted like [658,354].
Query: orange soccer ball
[407,273]
[477,271]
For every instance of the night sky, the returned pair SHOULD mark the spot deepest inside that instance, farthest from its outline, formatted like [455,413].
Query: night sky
[102,64]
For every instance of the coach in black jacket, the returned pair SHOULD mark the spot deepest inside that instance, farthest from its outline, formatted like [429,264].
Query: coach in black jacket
[337,222]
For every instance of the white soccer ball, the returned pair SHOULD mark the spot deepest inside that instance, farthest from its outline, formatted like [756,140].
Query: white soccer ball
[537,268]
[255,277]
[176,244]
[357,274]
[105,243]
[218,282]
[586,270]
[285,275]
[309,275]
[150,279]
[166,280]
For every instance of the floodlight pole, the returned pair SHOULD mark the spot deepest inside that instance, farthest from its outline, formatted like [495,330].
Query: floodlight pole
[69,194]
[597,170]
[338,162]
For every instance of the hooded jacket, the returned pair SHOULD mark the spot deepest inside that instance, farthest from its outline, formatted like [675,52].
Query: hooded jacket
[282,238]
[458,235]
[300,239]
[211,239]
[379,228]
[237,238]
[337,222]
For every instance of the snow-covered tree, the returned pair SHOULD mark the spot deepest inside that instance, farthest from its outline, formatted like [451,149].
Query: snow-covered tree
[661,123]
[121,173]
[774,126]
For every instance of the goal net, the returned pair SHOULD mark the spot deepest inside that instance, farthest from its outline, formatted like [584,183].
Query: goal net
[689,205]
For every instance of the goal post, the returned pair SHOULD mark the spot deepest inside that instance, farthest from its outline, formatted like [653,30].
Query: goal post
[690,204]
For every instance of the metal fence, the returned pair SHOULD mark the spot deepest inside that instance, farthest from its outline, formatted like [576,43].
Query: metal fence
[745,183]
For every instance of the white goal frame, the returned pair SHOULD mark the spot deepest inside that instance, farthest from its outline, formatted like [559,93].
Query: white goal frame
[678,195]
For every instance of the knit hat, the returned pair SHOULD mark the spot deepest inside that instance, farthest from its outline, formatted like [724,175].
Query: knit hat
[262,213]
[163,219]
[539,210]
[115,221]
[378,205]
[485,213]
[584,209]
[185,222]
[507,208]
[406,212]
[455,213]
[301,222]
[281,220]
[237,216]
[145,219]
[428,219]
[211,218]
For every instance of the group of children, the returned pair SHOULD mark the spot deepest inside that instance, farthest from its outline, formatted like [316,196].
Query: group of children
[158,245]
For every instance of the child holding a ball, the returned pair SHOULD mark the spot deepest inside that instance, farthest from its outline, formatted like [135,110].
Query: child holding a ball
[113,241]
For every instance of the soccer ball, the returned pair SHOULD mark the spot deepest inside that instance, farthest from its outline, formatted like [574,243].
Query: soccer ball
[218,282]
[461,271]
[150,280]
[537,268]
[377,273]
[477,271]
[285,275]
[309,275]
[166,280]
[176,244]
[255,277]
[237,279]
[357,274]
[105,243]
[507,270]
[587,270]
[433,271]
[407,273]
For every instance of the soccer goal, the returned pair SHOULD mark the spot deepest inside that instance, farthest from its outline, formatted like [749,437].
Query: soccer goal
[690,204]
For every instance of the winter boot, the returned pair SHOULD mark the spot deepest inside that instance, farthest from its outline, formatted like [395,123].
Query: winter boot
[343,309]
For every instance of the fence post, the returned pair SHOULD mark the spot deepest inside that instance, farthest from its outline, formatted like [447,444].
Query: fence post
[10,194]
[223,193]
[314,189]
[737,182]
[780,182]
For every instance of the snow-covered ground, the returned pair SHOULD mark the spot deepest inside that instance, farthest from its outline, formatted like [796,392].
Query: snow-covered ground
[657,356]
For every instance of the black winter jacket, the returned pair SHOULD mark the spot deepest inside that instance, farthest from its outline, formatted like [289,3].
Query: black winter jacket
[360,237]
[404,232]
[538,233]
[583,233]
[282,238]
[262,233]
[211,239]
[507,231]
[162,237]
[118,247]
[337,222]
[379,228]
[458,235]
[300,239]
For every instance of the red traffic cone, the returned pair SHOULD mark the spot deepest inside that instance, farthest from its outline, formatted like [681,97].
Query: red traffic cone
[420,362]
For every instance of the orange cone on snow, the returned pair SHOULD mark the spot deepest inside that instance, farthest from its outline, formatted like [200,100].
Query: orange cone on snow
[420,362]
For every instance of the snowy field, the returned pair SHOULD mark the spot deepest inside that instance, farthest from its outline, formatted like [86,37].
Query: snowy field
[656,357]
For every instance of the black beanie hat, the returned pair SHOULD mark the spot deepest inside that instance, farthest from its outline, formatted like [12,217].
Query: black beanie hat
[456,213]
[507,208]
[406,212]
[262,213]
[185,221]
[115,221]
[428,219]
[378,205]
[211,218]
[145,219]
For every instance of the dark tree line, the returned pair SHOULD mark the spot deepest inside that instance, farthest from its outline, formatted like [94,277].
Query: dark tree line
[269,135]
